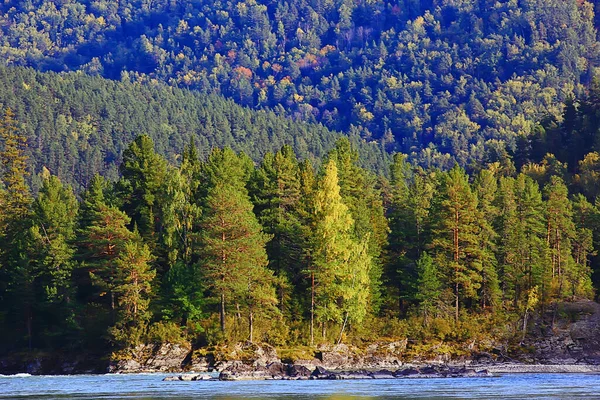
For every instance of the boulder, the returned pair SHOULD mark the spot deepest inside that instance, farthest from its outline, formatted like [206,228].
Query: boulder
[298,371]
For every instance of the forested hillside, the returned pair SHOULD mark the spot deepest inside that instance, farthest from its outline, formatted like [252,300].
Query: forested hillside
[438,79]
[78,126]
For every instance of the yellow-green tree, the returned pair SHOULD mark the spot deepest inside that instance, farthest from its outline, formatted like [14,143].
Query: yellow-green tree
[341,262]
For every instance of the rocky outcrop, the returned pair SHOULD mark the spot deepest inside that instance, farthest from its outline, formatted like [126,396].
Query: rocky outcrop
[377,355]
[574,339]
[152,358]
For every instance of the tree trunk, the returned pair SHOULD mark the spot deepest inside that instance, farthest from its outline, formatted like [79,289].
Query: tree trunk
[251,325]
[222,312]
[312,309]
[343,328]
[456,258]
[456,303]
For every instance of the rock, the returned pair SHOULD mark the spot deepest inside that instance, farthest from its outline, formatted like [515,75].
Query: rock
[126,366]
[360,374]
[298,371]
[203,377]
[319,371]
[167,357]
[171,379]
[407,372]
[240,371]
[382,374]
[429,370]
[277,369]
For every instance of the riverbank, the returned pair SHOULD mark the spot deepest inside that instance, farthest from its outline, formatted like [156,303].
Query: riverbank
[572,345]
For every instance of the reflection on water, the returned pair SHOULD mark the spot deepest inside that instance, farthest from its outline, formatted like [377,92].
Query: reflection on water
[151,387]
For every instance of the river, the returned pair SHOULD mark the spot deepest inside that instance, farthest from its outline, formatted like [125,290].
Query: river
[151,386]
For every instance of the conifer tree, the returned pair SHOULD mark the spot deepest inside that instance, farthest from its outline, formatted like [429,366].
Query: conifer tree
[341,263]
[100,245]
[430,289]
[456,241]
[133,287]
[141,186]
[17,275]
[234,259]
[182,286]
[561,232]
[276,193]
[524,247]
[52,253]
[485,188]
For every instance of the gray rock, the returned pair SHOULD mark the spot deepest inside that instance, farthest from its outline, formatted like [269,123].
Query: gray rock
[203,377]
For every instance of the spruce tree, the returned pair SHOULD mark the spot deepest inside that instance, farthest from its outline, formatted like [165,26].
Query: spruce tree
[133,287]
[485,188]
[142,185]
[52,254]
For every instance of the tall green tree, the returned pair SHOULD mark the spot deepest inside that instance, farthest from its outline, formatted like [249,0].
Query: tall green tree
[17,287]
[341,262]
[141,186]
[456,242]
[430,289]
[101,243]
[233,252]
[276,191]
[133,287]
[561,232]
[361,195]
[52,253]
[181,209]
[485,188]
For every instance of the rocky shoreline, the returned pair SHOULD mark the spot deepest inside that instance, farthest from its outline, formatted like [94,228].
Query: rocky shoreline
[281,371]
[569,347]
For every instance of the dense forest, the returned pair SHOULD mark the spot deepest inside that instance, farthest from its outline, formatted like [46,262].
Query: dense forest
[295,172]
[440,80]
[78,126]
[222,248]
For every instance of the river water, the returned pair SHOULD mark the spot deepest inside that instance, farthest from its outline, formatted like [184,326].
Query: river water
[151,386]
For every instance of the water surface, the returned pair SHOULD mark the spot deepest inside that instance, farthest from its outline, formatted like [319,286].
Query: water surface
[151,387]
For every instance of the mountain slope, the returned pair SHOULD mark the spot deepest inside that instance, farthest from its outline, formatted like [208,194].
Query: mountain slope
[79,125]
[433,78]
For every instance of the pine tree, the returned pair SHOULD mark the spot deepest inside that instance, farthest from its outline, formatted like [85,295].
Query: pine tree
[430,289]
[101,243]
[233,245]
[276,193]
[523,245]
[561,232]
[182,296]
[456,242]
[17,274]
